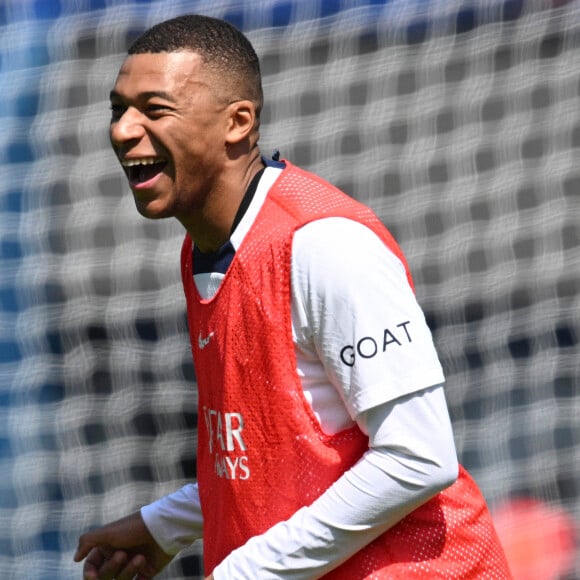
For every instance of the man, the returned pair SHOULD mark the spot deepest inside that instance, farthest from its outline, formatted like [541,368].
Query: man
[325,446]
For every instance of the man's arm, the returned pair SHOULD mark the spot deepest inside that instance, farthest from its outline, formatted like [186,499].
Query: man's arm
[144,542]
[124,549]
[411,457]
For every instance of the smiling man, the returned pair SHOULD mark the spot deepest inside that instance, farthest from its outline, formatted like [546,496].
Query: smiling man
[325,446]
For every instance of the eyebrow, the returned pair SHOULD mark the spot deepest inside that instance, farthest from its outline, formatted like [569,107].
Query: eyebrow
[145,95]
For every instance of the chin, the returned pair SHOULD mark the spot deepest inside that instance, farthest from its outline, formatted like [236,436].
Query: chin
[149,211]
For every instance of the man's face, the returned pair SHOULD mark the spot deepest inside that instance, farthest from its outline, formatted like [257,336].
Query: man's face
[168,130]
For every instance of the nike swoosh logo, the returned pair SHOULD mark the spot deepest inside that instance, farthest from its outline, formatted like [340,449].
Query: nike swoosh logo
[203,342]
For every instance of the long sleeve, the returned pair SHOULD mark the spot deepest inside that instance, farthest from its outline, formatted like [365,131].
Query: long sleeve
[175,520]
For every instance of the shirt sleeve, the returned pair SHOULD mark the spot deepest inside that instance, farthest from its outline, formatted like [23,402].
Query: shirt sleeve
[175,520]
[411,458]
[353,306]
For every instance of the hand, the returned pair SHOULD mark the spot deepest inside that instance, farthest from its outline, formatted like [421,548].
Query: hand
[121,550]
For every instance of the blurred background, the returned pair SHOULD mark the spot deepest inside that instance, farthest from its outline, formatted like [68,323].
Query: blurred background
[457,121]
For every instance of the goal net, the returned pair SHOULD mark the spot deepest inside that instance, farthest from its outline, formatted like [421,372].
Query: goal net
[458,122]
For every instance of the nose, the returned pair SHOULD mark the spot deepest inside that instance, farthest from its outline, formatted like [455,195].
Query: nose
[128,127]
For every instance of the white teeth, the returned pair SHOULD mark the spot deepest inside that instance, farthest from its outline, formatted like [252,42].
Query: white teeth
[142,161]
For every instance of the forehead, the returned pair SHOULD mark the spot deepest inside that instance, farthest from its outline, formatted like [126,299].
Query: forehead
[166,71]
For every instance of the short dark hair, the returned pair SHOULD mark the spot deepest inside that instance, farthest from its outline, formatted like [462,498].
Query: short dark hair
[221,45]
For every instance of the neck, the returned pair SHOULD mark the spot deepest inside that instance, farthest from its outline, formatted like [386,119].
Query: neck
[210,227]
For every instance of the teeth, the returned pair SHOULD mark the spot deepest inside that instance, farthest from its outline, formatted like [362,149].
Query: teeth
[142,161]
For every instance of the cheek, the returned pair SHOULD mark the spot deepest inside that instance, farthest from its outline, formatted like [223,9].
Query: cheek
[196,152]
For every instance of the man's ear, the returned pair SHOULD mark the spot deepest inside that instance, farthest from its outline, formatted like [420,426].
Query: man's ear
[241,121]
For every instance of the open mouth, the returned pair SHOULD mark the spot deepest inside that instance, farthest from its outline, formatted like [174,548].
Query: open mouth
[142,170]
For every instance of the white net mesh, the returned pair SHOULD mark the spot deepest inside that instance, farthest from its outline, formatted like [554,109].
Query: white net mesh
[459,123]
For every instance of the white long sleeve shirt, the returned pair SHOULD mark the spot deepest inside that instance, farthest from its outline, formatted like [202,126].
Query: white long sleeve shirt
[364,353]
